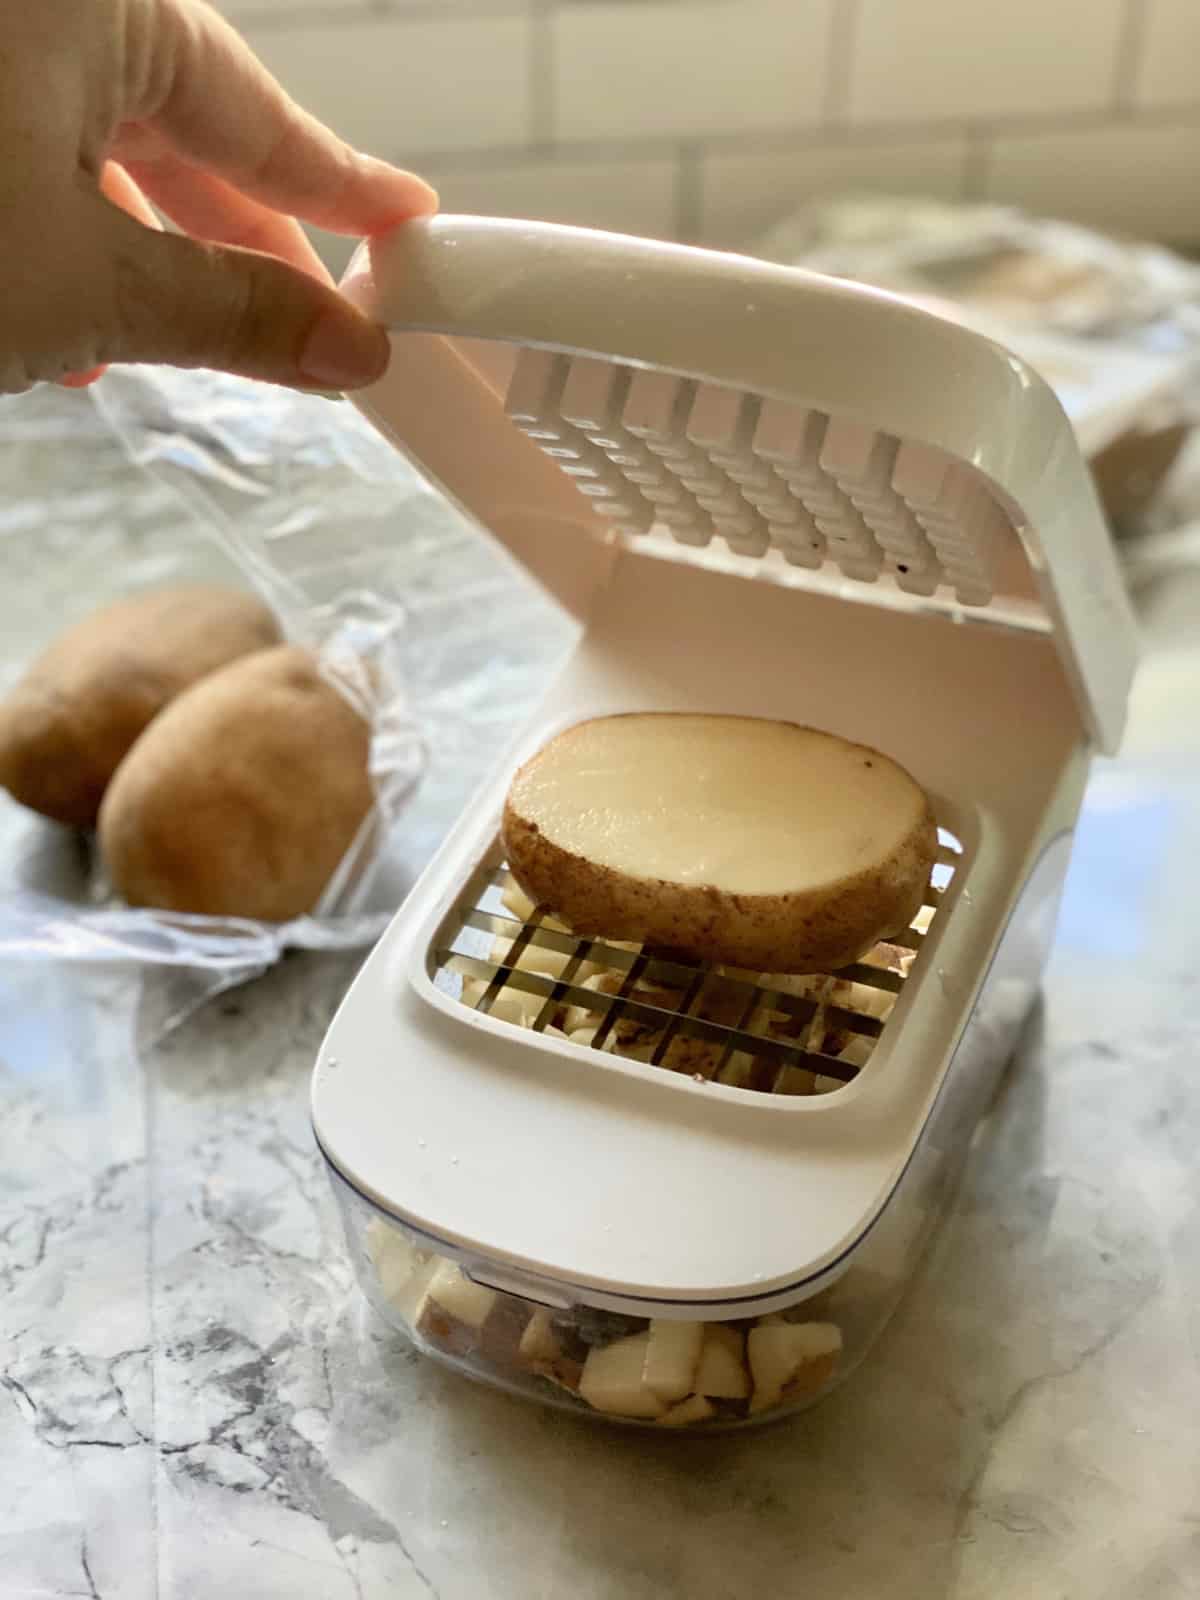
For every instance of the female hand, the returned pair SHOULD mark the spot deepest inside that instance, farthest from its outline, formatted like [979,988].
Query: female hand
[105,104]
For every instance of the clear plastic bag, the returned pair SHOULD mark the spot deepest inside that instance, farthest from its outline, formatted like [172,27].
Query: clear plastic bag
[361,560]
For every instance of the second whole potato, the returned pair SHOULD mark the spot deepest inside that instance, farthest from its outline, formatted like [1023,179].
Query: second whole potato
[69,722]
[243,796]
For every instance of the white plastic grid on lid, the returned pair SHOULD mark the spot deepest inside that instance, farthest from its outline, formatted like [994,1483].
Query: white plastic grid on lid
[712,406]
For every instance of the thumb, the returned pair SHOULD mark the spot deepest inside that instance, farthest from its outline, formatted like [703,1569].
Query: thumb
[180,302]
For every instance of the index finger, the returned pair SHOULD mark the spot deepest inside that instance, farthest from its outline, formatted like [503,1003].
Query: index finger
[216,104]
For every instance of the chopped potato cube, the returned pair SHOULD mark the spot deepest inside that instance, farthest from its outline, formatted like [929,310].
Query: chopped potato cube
[467,1302]
[722,1374]
[672,1354]
[539,1342]
[612,1379]
[517,1007]
[587,1038]
[539,958]
[694,1409]
[780,1354]
[516,901]
[473,991]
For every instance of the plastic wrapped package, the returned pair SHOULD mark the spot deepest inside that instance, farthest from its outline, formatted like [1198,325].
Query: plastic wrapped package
[1112,325]
[431,633]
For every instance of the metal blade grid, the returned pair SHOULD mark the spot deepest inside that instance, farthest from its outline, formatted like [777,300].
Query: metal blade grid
[745,1030]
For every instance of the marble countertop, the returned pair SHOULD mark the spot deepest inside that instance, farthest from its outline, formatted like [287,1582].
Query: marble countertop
[197,1404]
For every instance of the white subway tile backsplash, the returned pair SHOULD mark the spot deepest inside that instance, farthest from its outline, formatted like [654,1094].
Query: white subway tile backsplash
[1169,69]
[279,11]
[623,196]
[397,88]
[1139,180]
[648,117]
[742,195]
[924,60]
[694,68]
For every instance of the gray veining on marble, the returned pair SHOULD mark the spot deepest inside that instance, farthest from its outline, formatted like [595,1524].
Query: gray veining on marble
[198,1405]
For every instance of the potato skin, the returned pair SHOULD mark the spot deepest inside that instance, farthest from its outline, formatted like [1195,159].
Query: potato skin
[243,796]
[797,932]
[70,721]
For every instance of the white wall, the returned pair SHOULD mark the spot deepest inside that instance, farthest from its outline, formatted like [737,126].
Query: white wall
[706,119]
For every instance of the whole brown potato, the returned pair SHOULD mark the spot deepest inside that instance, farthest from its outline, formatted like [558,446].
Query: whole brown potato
[67,725]
[241,799]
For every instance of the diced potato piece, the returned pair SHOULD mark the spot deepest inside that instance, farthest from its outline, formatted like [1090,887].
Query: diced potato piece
[694,1409]
[517,1007]
[467,1302]
[891,957]
[501,1335]
[863,998]
[539,1342]
[672,1354]
[409,1297]
[821,1352]
[395,1264]
[612,1379]
[516,902]
[737,1071]
[628,1029]
[857,1051]
[781,1355]
[923,919]
[587,1038]
[804,986]
[795,1080]
[581,1017]
[473,991]
[564,1372]
[539,958]
[518,905]
[692,1057]
[773,1362]
[733,1339]
[722,1374]
[541,1351]
[403,1270]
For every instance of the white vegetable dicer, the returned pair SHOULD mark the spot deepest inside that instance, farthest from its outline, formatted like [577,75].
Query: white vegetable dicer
[768,494]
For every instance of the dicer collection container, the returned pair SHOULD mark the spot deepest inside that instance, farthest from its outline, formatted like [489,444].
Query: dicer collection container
[596,1175]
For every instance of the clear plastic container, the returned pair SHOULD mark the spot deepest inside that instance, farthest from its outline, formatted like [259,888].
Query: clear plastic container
[661,1371]
[679,1371]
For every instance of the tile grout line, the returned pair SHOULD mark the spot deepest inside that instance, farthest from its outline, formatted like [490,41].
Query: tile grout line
[785,141]
[264,20]
[1131,49]
[977,163]
[689,192]
[839,61]
[543,109]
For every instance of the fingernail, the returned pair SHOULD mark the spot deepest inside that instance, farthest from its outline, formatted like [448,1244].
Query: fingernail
[81,380]
[345,352]
[417,197]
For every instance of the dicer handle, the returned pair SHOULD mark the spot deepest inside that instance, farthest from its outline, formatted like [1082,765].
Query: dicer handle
[435,406]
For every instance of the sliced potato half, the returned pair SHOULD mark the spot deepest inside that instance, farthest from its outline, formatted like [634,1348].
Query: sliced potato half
[728,839]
